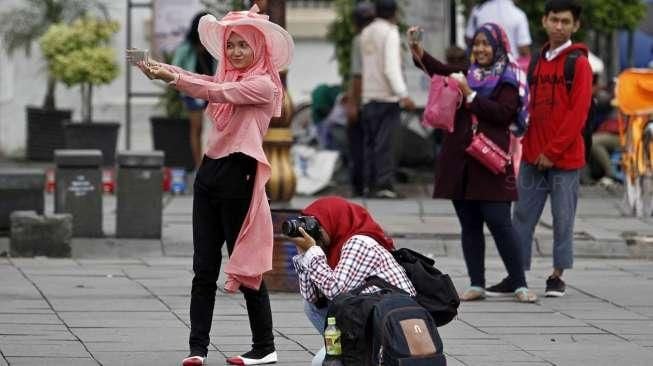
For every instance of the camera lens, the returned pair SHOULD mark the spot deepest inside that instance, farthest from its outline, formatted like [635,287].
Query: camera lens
[290,228]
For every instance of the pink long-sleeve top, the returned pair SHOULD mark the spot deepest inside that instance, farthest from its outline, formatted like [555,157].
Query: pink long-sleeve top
[252,99]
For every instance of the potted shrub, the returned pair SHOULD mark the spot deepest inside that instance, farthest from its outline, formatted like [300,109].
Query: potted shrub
[171,132]
[20,27]
[78,54]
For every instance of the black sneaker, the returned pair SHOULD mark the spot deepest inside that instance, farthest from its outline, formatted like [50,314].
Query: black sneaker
[503,288]
[254,357]
[555,287]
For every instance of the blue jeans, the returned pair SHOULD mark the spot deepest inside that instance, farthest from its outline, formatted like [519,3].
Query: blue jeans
[534,186]
[317,316]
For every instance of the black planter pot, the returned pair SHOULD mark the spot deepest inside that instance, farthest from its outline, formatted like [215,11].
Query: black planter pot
[172,136]
[45,132]
[102,136]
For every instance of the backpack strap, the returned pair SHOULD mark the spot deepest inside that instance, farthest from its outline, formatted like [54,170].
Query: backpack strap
[378,282]
[531,66]
[570,68]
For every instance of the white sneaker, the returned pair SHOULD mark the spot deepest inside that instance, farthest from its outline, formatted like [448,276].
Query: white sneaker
[244,361]
[193,361]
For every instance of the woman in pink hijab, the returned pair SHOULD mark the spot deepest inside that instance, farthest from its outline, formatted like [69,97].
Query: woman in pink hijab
[229,202]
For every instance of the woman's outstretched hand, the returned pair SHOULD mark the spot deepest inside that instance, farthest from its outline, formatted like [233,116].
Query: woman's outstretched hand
[304,242]
[415,45]
[155,70]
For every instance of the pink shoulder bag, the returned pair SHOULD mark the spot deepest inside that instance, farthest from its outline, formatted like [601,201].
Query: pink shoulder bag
[444,99]
[486,151]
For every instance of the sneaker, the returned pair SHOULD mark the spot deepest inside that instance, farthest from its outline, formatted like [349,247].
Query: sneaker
[193,361]
[473,293]
[387,194]
[503,288]
[523,294]
[254,357]
[555,287]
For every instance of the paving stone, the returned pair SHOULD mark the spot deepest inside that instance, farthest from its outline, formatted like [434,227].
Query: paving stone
[29,318]
[123,319]
[161,358]
[620,354]
[51,361]
[70,349]
[107,304]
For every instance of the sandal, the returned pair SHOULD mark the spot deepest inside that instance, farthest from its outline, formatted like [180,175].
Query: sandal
[473,293]
[525,295]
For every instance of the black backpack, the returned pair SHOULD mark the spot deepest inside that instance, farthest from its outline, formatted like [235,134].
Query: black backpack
[360,337]
[353,311]
[569,69]
[435,290]
[404,333]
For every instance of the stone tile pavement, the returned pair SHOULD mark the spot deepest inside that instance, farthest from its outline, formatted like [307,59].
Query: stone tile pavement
[134,311]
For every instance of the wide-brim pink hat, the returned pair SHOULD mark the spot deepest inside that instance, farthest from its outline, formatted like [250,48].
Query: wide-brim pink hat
[278,42]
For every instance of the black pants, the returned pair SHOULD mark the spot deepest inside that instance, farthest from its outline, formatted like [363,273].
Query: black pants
[472,215]
[223,191]
[356,141]
[380,124]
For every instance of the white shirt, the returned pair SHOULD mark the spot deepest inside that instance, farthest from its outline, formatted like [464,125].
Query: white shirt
[506,14]
[381,55]
[551,54]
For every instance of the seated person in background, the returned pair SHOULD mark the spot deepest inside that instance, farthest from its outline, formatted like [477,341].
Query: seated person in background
[349,247]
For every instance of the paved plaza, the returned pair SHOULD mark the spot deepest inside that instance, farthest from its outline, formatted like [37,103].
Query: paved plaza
[125,302]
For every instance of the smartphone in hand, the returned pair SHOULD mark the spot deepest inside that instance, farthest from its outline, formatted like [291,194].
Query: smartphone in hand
[135,55]
[416,35]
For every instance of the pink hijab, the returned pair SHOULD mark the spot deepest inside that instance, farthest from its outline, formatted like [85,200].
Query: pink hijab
[221,113]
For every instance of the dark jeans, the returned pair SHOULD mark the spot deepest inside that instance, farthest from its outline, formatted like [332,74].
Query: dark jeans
[472,215]
[356,141]
[380,123]
[223,191]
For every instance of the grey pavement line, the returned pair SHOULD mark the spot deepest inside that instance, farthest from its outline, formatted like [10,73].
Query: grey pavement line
[294,341]
[47,301]
[600,299]
[174,313]
[4,357]
[503,340]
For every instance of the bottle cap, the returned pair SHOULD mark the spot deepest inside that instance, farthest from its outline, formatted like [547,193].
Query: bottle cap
[331,321]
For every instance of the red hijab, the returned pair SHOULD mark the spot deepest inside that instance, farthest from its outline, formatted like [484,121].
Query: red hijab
[342,219]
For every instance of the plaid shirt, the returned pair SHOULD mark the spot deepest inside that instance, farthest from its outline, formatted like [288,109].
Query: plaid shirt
[361,257]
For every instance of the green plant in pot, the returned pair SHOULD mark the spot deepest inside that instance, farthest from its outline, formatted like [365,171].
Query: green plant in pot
[78,54]
[20,26]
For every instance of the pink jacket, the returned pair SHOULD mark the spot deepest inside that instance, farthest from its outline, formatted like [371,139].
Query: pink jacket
[252,98]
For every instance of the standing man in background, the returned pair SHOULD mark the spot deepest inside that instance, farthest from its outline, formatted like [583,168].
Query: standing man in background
[384,93]
[554,152]
[363,15]
[511,18]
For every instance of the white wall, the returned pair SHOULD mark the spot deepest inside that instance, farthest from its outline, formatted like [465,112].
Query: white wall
[23,82]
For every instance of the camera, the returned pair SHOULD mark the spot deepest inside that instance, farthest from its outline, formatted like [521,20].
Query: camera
[291,227]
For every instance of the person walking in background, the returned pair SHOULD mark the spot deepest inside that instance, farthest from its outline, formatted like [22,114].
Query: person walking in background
[495,94]
[192,56]
[363,15]
[554,151]
[229,202]
[384,93]
[511,18]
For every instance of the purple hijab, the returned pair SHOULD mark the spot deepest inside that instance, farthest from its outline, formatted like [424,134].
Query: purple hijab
[504,69]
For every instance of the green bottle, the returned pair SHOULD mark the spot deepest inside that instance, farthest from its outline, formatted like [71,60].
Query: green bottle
[332,338]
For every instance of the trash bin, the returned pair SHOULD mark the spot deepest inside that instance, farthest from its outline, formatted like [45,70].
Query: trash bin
[282,277]
[79,190]
[20,189]
[139,194]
